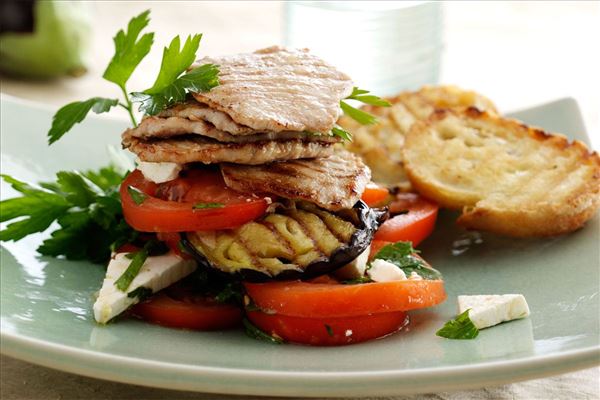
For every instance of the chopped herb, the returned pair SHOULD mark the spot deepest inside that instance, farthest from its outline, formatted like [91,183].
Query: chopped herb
[355,281]
[339,131]
[137,261]
[231,293]
[199,206]
[360,116]
[86,207]
[362,96]
[142,293]
[138,258]
[403,256]
[329,330]
[182,247]
[460,327]
[136,195]
[256,333]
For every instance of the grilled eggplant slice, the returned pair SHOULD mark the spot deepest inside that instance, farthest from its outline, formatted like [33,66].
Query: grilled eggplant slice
[302,241]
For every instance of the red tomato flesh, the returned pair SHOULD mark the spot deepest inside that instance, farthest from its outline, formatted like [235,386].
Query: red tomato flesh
[328,331]
[413,226]
[374,195]
[199,313]
[317,300]
[169,207]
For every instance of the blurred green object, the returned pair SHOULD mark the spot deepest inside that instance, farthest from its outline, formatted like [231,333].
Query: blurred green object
[44,39]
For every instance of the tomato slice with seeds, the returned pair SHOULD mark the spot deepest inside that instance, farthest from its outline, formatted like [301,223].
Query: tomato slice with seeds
[197,201]
[414,224]
[328,331]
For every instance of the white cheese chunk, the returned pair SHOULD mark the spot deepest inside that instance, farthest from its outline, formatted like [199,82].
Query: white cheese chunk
[385,271]
[356,268]
[159,172]
[157,273]
[490,310]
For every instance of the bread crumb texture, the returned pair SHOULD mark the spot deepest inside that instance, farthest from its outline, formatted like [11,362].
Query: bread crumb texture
[506,177]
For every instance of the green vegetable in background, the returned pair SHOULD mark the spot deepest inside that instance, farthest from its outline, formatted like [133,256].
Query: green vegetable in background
[55,46]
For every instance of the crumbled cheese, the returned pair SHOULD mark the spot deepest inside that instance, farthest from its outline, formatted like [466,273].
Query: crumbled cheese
[415,277]
[159,172]
[385,271]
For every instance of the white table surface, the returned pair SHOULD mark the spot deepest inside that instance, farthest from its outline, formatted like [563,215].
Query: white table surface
[517,53]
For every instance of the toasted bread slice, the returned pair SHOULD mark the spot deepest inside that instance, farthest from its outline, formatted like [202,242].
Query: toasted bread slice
[506,177]
[380,145]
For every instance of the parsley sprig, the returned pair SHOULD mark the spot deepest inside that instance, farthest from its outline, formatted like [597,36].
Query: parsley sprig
[86,207]
[169,87]
[360,116]
[131,47]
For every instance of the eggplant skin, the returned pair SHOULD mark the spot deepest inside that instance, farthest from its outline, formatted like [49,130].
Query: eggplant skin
[367,220]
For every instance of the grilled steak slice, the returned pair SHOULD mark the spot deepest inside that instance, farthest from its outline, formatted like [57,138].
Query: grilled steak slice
[195,111]
[168,127]
[278,89]
[187,149]
[334,182]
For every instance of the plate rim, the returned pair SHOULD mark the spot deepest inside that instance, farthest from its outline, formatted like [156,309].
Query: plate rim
[364,383]
[225,380]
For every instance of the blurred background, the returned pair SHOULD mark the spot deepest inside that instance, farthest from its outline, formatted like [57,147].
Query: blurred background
[517,53]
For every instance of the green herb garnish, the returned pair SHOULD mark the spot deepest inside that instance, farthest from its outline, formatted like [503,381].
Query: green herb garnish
[138,258]
[460,327]
[231,293]
[329,330]
[360,116]
[142,293]
[136,194]
[169,88]
[200,206]
[403,256]
[86,207]
[339,131]
[256,333]
[355,281]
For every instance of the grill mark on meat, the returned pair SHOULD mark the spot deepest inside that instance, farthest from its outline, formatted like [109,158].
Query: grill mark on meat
[174,126]
[334,182]
[193,148]
[278,89]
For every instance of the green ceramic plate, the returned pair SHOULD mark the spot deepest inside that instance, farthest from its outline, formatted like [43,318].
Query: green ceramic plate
[46,303]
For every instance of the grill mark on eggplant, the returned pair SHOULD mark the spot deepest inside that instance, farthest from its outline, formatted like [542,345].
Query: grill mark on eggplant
[366,220]
[315,242]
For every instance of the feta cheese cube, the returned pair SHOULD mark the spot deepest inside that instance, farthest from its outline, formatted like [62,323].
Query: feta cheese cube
[159,172]
[385,271]
[157,273]
[490,310]
[356,268]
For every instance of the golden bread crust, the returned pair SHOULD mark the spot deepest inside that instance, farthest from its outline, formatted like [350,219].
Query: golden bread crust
[380,145]
[506,177]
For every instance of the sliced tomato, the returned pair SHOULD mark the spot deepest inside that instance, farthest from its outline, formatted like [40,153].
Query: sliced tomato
[172,240]
[177,205]
[197,312]
[414,225]
[316,300]
[374,195]
[328,331]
